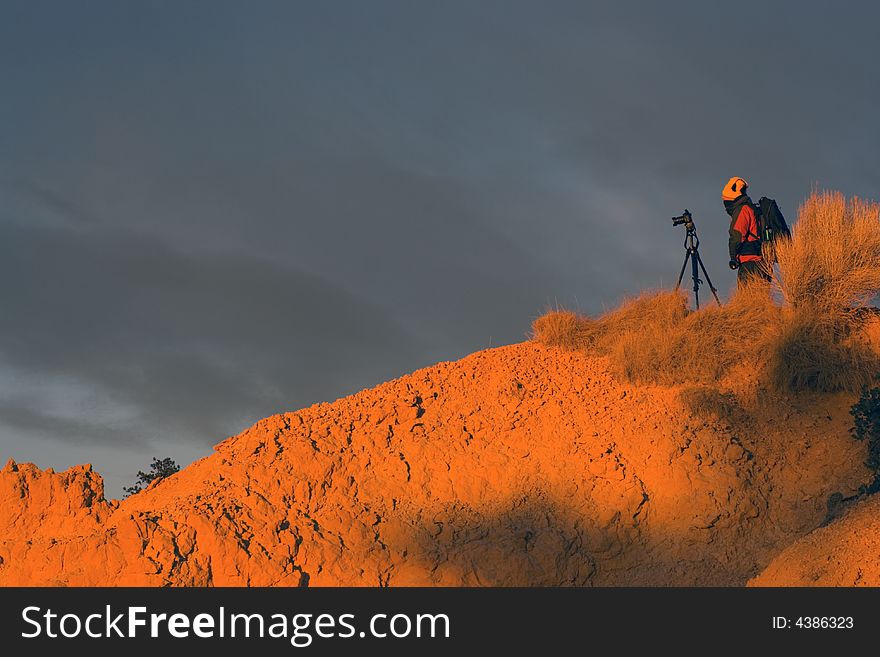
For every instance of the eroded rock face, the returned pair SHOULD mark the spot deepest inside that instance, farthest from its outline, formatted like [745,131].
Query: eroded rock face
[36,503]
[844,553]
[521,465]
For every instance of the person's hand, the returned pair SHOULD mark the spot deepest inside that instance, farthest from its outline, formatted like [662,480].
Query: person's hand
[733,264]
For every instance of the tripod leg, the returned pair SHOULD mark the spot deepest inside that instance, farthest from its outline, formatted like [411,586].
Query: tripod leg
[687,254]
[708,280]
[696,276]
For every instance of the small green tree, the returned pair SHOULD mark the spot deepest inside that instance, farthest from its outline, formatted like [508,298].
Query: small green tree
[159,470]
[866,413]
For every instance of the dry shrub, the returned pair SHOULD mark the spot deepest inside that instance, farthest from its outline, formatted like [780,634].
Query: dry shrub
[653,338]
[640,360]
[813,352]
[650,311]
[828,272]
[717,338]
[821,338]
[832,262]
[657,313]
[699,346]
[561,328]
[619,332]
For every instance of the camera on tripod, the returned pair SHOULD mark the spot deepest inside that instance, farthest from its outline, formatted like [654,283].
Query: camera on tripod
[692,254]
[684,218]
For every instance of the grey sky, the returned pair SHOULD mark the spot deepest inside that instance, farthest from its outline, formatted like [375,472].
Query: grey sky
[213,211]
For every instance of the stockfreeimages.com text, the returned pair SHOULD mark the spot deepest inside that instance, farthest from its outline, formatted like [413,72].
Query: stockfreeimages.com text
[300,629]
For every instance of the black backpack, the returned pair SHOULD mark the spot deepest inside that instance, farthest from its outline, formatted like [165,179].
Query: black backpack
[771,223]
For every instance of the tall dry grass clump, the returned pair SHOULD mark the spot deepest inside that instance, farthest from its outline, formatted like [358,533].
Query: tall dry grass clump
[621,333]
[562,328]
[653,338]
[694,347]
[832,262]
[828,272]
[651,312]
[815,352]
[818,338]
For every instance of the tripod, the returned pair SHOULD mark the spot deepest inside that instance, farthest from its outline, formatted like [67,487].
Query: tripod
[691,246]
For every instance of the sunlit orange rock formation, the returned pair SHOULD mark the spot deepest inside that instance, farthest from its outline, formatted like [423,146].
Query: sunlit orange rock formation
[521,465]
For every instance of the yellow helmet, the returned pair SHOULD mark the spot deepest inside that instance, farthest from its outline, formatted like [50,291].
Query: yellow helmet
[734,187]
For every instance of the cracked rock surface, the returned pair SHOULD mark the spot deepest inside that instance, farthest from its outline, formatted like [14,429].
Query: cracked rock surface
[845,553]
[520,465]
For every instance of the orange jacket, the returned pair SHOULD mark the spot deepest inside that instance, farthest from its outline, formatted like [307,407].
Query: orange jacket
[746,226]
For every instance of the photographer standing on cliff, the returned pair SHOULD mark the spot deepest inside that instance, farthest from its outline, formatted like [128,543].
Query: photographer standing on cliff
[745,243]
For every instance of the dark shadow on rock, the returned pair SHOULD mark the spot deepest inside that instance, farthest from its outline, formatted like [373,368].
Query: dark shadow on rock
[712,404]
[530,543]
